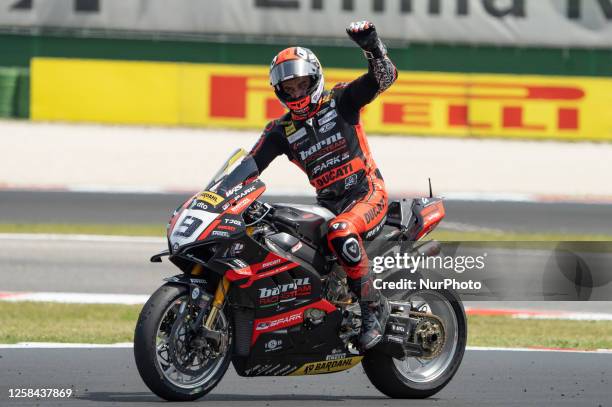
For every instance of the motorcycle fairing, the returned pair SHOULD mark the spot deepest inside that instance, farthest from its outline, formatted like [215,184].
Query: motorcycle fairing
[198,220]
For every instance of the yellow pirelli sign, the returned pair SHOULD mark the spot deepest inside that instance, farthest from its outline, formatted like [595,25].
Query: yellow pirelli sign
[239,96]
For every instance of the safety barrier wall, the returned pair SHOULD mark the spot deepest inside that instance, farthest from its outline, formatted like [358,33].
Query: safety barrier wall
[14,92]
[238,96]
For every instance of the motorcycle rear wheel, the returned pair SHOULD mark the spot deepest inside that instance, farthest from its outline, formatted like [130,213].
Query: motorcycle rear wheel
[159,354]
[414,377]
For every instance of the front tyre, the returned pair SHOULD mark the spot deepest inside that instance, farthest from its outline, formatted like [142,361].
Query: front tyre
[174,362]
[419,377]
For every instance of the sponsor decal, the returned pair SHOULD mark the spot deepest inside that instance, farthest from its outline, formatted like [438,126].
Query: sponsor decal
[211,198]
[336,354]
[297,247]
[300,286]
[225,206]
[377,229]
[325,109]
[200,205]
[245,193]
[330,141]
[338,226]
[234,222]
[297,135]
[286,320]
[240,205]
[271,263]
[236,249]
[226,227]
[327,366]
[233,190]
[398,328]
[195,293]
[375,211]
[333,175]
[273,345]
[289,128]
[350,181]
[198,280]
[331,115]
[327,127]
[286,370]
[220,233]
[330,162]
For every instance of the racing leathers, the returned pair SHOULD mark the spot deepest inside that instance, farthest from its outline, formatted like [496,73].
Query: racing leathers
[330,146]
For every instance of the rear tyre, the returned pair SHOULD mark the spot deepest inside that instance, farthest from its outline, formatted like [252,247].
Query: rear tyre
[168,362]
[414,377]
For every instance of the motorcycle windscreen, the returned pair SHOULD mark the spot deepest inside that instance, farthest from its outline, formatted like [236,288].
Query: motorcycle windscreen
[239,168]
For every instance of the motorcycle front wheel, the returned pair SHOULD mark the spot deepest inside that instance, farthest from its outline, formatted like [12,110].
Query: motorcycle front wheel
[423,377]
[173,361]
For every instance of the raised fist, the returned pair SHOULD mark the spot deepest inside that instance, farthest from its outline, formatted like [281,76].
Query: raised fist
[364,34]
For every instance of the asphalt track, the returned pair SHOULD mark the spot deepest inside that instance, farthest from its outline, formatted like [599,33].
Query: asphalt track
[17,206]
[121,266]
[101,377]
[109,377]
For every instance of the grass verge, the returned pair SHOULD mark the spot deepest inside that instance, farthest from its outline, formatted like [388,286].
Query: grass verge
[455,236]
[158,230]
[77,323]
[505,331]
[155,230]
[83,323]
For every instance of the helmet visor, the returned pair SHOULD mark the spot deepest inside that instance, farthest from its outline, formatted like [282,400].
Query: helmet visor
[292,69]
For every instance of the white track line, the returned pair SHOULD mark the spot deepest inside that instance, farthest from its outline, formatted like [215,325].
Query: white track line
[565,316]
[541,315]
[53,345]
[471,196]
[75,298]
[138,299]
[562,350]
[81,238]
[128,345]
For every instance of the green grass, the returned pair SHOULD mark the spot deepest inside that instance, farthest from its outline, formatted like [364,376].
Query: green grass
[76,323]
[84,323]
[452,236]
[159,230]
[504,331]
[87,229]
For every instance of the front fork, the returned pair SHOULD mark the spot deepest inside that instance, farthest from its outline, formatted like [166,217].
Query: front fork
[218,300]
[217,303]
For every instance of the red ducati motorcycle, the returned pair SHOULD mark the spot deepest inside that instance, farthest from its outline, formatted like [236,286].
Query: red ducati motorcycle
[259,288]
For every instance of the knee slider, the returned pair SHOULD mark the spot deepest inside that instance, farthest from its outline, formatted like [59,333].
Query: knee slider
[348,249]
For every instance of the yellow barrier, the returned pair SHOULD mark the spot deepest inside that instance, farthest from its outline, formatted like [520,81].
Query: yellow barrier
[239,96]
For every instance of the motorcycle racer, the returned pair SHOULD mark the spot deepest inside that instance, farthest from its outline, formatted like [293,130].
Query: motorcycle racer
[323,135]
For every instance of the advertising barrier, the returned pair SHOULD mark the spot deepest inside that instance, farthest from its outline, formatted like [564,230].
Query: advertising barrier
[239,96]
[550,23]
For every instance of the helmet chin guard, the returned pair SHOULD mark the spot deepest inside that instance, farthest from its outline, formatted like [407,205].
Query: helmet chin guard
[295,62]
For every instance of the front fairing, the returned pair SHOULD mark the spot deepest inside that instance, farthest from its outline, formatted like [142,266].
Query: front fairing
[215,214]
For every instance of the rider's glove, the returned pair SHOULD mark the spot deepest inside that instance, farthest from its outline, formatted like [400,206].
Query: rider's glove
[364,34]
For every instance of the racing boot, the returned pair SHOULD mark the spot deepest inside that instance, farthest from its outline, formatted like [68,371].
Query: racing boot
[374,311]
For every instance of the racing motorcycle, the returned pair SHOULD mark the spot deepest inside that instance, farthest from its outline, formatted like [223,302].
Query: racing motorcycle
[259,288]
